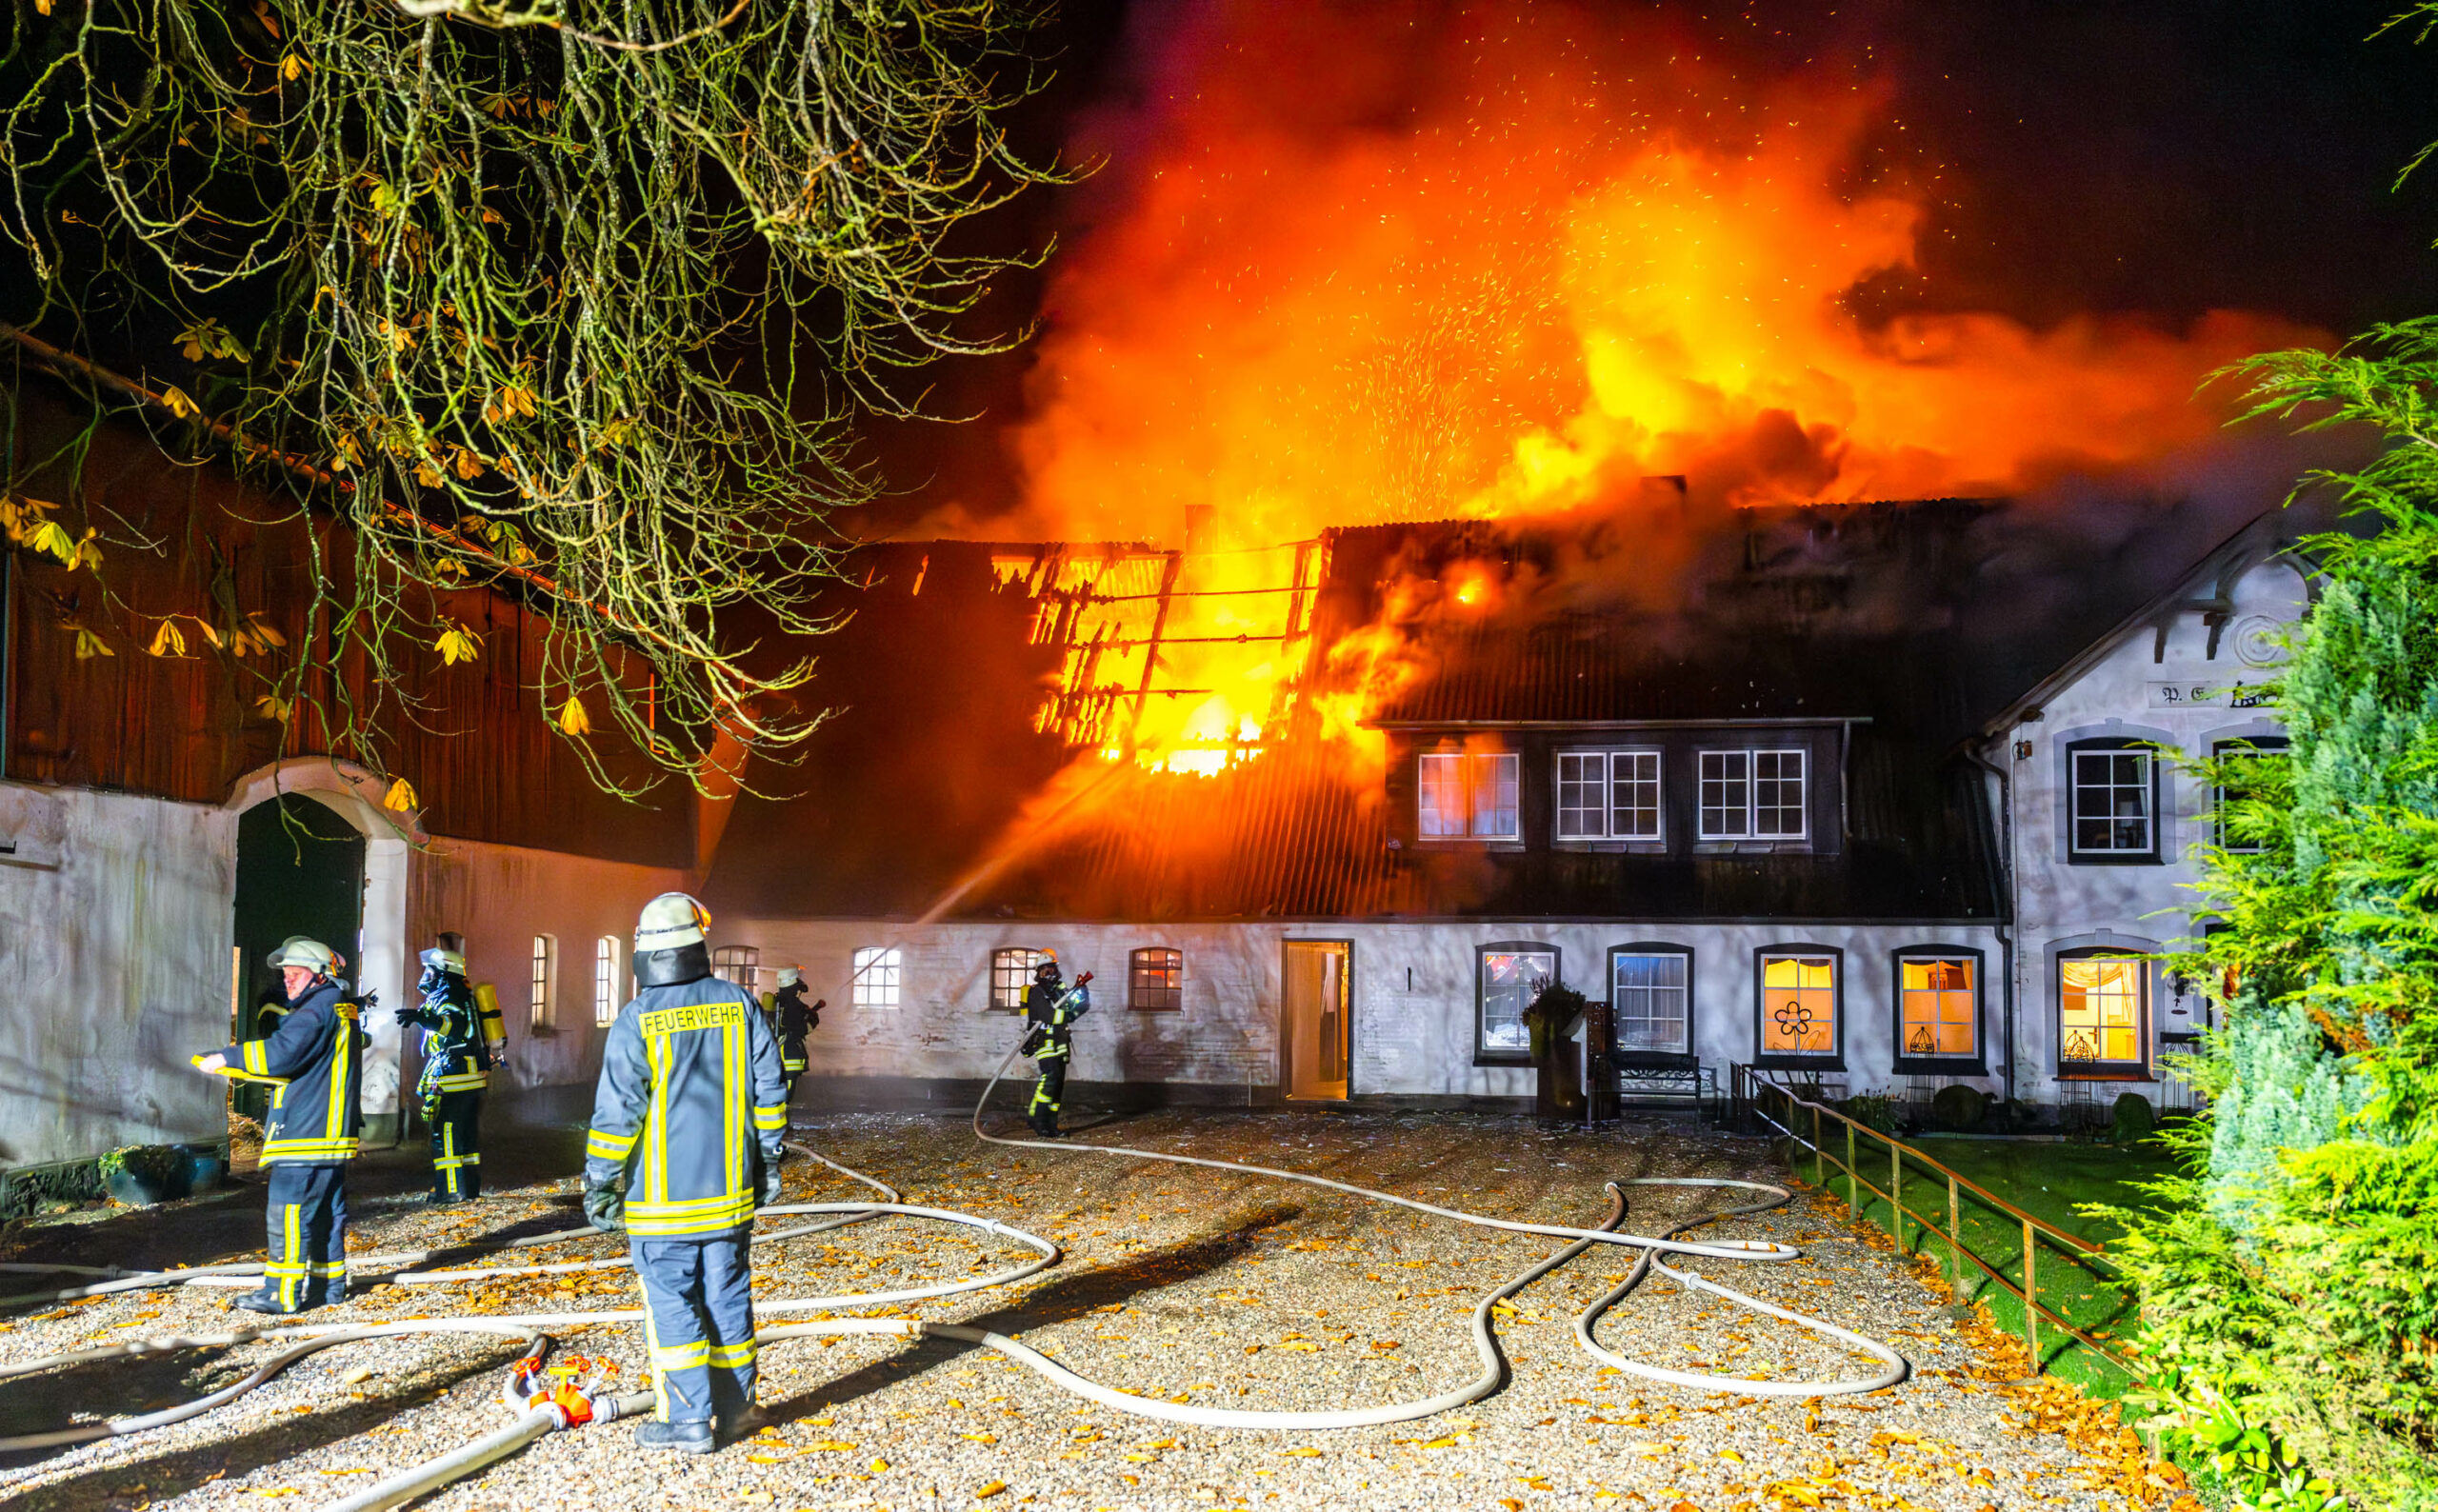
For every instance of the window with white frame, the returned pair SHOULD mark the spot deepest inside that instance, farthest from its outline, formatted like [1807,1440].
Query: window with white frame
[1509,976]
[1938,1007]
[1011,969]
[879,974]
[2233,757]
[546,951]
[605,979]
[1651,999]
[2101,998]
[1607,795]
[741,964]
[1466,795]
[1755,795]
[2115,802]
[1799,1004]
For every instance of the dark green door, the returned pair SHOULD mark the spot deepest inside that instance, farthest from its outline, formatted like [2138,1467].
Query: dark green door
[300,870]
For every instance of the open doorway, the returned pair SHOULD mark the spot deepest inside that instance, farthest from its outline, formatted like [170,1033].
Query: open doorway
[300,870]
[1314,1022]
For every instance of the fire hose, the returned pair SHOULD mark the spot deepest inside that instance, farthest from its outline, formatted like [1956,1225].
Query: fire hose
[541,1407]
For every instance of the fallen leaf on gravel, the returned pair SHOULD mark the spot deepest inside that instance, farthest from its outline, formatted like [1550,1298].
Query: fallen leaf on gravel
[358,1376]
[1511,1503]
[1141,1459]
[275,1490]
[1300,1348]
[1730,1456]
[981,1438]
[1386,1343]
[992,1489]
[358,1470]
[877,1466]
[1301,1454]
[1683,1506]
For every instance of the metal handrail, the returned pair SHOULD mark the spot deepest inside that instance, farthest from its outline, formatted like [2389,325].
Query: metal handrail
[1746,1081]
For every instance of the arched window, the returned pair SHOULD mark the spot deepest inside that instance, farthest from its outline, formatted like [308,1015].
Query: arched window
[546,970]
[741,964]
[605,979]
[1012,973]
[1155,980]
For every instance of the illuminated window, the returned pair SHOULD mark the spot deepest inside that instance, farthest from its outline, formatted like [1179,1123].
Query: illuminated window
[741,964]
[2233,757]
[1012,973]
[605,979]
[1609,795]
[1938,1007]
[2115,801]
[2100,1009]
[1509,976]
[1155,980]
[1460,795]
[546,953]
[1753,795]
[1799,1004]
[878,975]
[1650,997]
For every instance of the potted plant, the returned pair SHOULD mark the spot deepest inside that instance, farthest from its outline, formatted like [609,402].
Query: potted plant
[141,1175]
[1552,1014]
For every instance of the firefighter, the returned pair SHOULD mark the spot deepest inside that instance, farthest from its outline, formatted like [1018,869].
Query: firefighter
[456,1071]
[313,1063]
[683,1145]
[792,1019]
[252,1100]
[1050,1007]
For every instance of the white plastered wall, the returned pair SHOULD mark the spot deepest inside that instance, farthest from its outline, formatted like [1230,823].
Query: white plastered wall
[2132,691]
[115,944]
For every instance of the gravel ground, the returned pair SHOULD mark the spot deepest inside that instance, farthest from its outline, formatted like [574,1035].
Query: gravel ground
[1180,1283]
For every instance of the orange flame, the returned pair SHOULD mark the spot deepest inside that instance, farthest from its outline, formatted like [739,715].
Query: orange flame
[1541,292]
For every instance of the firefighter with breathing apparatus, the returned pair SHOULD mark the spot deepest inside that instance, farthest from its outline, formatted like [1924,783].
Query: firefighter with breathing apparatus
[313,1063]
[1050,1007]
[456,1070]
[684,1146]
[792,1019]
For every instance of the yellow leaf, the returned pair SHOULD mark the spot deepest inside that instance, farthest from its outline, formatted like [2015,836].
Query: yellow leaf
[180,406]
[877,1466]
[88,554]
[457,644]
[208,633]
[469,466]
[263,630]
[48,537]
[41,6]
[992,1489]
[401,796]
[832,1446]
[1301,1454]
[1730,1456]
[291,66]
[573,719]
[90,645]
[168,640]
[981,1438]
[274,708]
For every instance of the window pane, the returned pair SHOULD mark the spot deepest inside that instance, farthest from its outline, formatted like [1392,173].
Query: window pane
[605,979]
[1583,795]
[1633,789]
[2112,802]
[1777,794]
[1725,795]
[1937,1007]
[1648,992]
[2099,1008]
[1799,1006]
[876,977]
[1011,972]
[1441,802]
[2239,757]
[1156,980]
[1495,788]
[540,1006]
[1509,981]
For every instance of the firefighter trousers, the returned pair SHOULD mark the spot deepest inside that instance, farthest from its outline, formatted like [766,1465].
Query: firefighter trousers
[1048,1090]
[308,1231]
[698,1324]
[456,1144]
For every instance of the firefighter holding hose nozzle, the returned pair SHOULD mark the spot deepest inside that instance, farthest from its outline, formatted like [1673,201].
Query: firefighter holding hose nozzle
[1050,1008]
[792,1019]
[684,1146]
[456,1070]
[313,1063]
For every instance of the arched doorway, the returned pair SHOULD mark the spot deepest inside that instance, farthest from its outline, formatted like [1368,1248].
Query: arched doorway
[317,851]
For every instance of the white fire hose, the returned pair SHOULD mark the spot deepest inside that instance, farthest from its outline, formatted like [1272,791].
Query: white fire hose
[536,1415]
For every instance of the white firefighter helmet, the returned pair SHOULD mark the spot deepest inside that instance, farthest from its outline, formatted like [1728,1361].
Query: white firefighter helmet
[791,976]
[669,921]
[301,950]
[444,960]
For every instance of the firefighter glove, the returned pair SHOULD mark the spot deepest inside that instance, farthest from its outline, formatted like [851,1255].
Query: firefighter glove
[604,1208]
[1033,1042]
[414,1016]
[769,1184]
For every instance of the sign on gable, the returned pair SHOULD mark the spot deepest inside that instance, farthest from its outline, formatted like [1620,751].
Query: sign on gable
[2235,694]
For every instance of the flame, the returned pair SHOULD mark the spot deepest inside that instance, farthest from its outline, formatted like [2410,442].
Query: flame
[1588,264]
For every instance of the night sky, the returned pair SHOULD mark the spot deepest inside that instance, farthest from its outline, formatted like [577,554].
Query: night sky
[2166,158]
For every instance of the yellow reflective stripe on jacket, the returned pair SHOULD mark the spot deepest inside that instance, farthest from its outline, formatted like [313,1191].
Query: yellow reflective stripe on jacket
[732,1356]
[338,1149]
[609,1147]
[647,1224]
[464,1082]
[342,1060]
[656,1122]
[257,1061]
[771,1118]
[732,1116]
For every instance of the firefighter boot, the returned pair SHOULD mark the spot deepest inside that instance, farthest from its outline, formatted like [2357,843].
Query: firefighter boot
[682,1437]
[266,1301]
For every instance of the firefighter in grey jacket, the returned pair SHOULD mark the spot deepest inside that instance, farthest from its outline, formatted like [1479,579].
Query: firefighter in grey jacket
[685,1144]
[313,1063]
